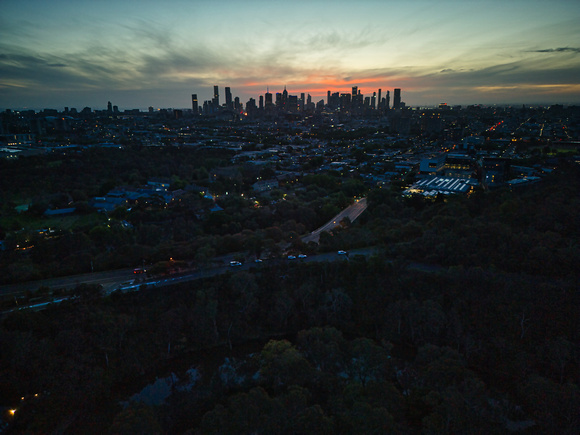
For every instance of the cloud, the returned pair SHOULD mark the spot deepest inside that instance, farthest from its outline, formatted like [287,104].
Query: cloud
[557,50]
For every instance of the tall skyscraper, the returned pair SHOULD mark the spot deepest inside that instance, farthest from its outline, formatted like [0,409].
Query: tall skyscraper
[388,101]
[109,107]
[194,104]
[354,91]
[379,100]
[229,103]
[397,99]
[268,99]
[216,96]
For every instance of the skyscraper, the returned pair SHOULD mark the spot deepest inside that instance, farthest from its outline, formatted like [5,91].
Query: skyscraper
[194,104]
[216,97]
[229,103]
[388,101]
[268,99]
[379,100]
[397,99]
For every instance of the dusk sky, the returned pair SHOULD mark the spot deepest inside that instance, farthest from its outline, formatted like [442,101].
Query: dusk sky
[140,53]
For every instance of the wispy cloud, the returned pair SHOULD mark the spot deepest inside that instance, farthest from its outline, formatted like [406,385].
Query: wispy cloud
[557,50]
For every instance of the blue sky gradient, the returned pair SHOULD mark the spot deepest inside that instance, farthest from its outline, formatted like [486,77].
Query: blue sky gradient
[149,53]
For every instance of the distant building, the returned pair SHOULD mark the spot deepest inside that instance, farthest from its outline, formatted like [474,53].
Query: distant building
[265,185]
[397,99]
[459,166]
[433,186]
[432,165]
[59,211]
[216,97]
[470,142]
[159,183]
[495,171]
[229,102]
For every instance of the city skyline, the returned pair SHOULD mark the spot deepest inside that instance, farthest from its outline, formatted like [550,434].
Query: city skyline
[141,54]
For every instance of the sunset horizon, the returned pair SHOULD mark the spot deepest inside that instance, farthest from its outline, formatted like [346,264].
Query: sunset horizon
[141,54]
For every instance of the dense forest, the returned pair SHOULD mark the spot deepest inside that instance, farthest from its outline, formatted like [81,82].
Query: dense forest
[357,346]
[485,340]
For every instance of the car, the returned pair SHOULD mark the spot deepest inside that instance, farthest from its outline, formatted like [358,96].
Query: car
[235,263]
[302,256]
[258,260]
[291,257]
[342,252]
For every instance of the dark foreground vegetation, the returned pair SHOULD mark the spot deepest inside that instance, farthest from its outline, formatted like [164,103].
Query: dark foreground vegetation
[486,342]
[357,346]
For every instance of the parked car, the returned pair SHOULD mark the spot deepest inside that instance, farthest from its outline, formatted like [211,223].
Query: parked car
[235,263]
[302,256]
[291,257]
[342,252]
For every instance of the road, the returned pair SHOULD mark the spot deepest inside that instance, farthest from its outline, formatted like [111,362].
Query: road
[352,212]
[105,279]
[124,278]
[126,281]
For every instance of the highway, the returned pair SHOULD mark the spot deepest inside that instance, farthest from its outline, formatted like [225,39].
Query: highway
[126,280]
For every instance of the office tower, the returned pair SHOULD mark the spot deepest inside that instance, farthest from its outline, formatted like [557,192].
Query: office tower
[334,101]
[216,97]
[194,104]
[328,98]
[374,101]
[345,102]
[379,100]
[268,99]
[229,104]
[261,102]
[397,99]
[291,104]
[354,91]
[388,101]
[251,108]
[109,107]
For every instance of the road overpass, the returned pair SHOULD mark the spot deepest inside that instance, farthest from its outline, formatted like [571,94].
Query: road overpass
[352,212]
